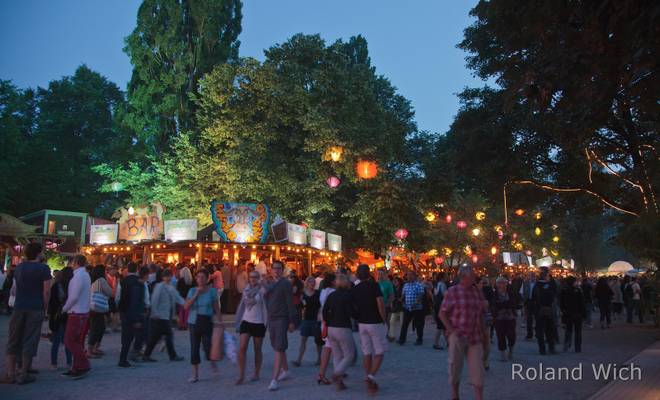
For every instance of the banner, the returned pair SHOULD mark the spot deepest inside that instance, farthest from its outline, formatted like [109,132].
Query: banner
[103,234]
[241,222]
[297,234]
[140,223]
[317,239]
[334,242]
[180,229]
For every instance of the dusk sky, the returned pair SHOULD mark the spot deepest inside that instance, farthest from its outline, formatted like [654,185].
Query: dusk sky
[413,44]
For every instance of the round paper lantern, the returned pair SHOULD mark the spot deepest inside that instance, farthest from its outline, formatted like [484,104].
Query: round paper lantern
[475,259]
[555,239]
[335,153]
[448,218]
[438,260]
[480,215]
[537,231]
[430,216]
[401,234]
[461,224]
[538,215]
[367,169]
[520,212]
[333,181]
[476,232]
[518,246]
[493,250]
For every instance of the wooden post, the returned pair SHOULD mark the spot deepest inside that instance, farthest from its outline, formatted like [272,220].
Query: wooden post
[277,253]
[309,263]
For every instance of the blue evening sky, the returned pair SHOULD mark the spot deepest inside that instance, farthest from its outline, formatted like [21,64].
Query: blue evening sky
[411,43]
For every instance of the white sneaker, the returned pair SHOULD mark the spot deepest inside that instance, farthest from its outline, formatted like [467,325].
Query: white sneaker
[284,375]
[273,385]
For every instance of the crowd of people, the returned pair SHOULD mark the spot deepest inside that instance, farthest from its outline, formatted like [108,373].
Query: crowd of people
[145,303]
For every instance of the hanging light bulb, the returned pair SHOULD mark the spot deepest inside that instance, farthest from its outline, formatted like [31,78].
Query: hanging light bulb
[131,210]
[493,250]
[555,239]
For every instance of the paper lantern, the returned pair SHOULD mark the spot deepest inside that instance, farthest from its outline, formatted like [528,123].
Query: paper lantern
[335,153]
[537,231]
[518,246]
[480,215]
[447,251]
[438,260]
[476,232]
[367,169]
[555,239]
[467,250]
[401,234]
[430,216]
[333,181]
[448,218]
[493,250]
[520,212]
[475,259]
[538,215]
[461,224]
[432,252]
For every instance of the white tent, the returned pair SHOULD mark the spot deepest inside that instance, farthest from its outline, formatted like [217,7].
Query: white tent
[619,267]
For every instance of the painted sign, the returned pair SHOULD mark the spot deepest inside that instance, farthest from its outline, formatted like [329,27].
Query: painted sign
[180,229]
[103,234]
[334,242]
[241,222]
[317,239]
[297,234]
[140,223]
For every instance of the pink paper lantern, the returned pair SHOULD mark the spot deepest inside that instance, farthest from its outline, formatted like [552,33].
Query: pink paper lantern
[401,234]
[333,181]
[461,224]
[448,218]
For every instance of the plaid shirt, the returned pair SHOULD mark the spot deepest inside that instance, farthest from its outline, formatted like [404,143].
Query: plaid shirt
[464,307]
[412,296]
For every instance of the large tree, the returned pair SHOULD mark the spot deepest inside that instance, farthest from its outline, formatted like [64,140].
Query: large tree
[173,45]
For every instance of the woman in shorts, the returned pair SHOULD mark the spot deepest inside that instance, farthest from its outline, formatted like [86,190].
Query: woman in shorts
[310,326]
[251,323]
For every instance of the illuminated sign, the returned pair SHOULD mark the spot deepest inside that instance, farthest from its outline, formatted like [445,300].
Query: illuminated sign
[140,223]
[180,229]
[334,242]
[241,222]
[317,239]
[103,234]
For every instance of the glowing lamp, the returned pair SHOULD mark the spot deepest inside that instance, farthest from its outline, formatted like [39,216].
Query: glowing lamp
[448,218]
[432,252]
[475,259]
[554,252]
[480,215]
[430,216]
[401,234]
[538,215]
[467,250]
[520,212]
[367,169]
[493,250]
[514,236]
[461,224]
[333,181]
[555,239]
[447,251]
[438,260]
[116,186]
[537,231]
[131,210]
[334,153]
[476,232]
[518,246]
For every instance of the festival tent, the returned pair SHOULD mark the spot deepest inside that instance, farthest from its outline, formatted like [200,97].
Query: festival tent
[619,267]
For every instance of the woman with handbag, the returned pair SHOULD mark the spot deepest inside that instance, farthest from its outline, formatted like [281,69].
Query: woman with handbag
[202,306]
[99,307]
[57,318]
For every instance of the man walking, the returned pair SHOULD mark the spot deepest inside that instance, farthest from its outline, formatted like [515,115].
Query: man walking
[543,299]
[369,304]
[131,310]
[527,290]
[32,280]
[77,310]
[281,315]
[163,305]
[462,313]
[413,308]
[387,288]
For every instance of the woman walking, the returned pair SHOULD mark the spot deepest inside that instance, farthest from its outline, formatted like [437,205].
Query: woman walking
[99,307]
[604,297]
[327,287]
[202,306]
[57,318]
[573,312]
[310,326]
[504,314]
[438,294]
[396,317]
[337,312]
[251,323]
[183,285]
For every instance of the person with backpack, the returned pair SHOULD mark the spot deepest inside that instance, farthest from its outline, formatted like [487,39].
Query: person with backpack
[131,311]
[439,291]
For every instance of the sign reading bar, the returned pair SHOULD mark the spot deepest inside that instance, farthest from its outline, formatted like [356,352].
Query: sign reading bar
[180,229]
[241,222]
[334,242]
[317,239]
[141,222]
[297,234]
[103,234]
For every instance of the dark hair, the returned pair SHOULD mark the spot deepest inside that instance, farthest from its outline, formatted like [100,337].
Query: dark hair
[277,262]
[65,277]
[98,272]
[328,280]
[166,273]
[132,267]
[80,260]
[570,280]
[363,272]
[203,271]
[144,271]
[32,250]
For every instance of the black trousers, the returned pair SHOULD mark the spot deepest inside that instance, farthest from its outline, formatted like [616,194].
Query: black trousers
[96,328]
[417,318]
[545,332]
[199,339]
[128,334]
[529,315]
[573,325]
[605,312]
[141,335]
[157,329]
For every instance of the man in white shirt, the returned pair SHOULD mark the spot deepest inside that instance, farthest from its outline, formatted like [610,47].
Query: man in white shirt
[77,309]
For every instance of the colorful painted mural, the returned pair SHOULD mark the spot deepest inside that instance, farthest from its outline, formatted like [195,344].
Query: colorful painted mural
[241,222]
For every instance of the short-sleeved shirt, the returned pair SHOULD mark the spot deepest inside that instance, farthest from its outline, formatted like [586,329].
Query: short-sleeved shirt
[364,297]
[464,307]
[203,305]
[30,277]
[412,296]
[387,289]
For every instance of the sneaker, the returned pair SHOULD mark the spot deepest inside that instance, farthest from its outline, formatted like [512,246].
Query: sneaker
[124,364]
[273,385]
[176,358]
[80,373]
[284,375]
[418,342]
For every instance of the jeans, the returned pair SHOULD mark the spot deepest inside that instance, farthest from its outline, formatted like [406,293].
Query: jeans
[573,324]
[631,307]
[605,312]
[157,329]
[417,318]
[96,328]
[506,333]
[128,333]
[545,331]
[75,341]
[56,339]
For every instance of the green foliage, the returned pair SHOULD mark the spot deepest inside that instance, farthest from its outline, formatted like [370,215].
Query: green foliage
[173,45]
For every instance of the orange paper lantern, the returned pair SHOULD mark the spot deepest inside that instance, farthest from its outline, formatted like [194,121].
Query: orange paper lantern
[367,169]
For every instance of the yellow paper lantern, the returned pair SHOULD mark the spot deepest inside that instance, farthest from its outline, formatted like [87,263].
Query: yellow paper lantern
[480,215]
[493,250]
[537,231]
[518,246]
[430,216]
[432,252]
[447,251]
[555,239]
[538,215]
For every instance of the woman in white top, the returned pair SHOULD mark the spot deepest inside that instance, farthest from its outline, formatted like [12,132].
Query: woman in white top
[251,323]
[327,287]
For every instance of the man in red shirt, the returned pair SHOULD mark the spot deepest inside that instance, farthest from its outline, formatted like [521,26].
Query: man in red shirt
[462,313]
